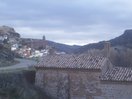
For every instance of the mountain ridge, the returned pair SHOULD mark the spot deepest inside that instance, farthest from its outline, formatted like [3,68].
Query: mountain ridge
[124,40]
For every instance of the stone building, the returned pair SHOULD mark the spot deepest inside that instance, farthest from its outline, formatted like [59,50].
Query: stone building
[83,77]
[35,43]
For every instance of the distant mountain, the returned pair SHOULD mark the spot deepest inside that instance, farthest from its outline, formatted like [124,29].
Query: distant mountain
[124,40]
[63,47]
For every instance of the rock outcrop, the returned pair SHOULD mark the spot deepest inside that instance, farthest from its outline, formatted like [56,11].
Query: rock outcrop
[8,37]
[5,30]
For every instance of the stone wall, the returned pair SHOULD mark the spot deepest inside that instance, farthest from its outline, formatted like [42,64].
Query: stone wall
[63,84]
[80,84]
[54,83]
[115,90]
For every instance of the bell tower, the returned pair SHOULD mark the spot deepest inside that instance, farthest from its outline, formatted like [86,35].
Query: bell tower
[44,37]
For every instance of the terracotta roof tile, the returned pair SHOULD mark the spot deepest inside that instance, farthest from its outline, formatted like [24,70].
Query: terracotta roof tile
[85,61]
[71,61]
[118,74]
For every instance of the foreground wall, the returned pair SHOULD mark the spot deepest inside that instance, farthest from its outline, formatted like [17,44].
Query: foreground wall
[80,84]
[69,84]
[115,90]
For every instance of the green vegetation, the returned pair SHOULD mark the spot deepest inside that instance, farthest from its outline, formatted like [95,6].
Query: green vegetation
[6,56]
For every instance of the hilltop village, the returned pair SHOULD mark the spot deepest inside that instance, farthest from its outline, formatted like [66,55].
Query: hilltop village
[23,47]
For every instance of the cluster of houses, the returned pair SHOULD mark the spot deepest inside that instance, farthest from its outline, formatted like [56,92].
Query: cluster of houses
[32,48]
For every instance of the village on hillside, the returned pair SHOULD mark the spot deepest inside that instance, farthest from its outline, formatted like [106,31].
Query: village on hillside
[24,47]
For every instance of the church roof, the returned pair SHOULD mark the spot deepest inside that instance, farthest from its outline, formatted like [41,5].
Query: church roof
[83,61]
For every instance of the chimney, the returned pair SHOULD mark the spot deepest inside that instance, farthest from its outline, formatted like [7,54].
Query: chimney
[106,65]
[107,49]
[51,51]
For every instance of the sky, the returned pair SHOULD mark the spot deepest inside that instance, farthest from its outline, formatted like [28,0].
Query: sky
[71,22]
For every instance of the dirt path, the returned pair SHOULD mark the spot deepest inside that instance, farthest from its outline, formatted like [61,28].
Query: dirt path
[23,64]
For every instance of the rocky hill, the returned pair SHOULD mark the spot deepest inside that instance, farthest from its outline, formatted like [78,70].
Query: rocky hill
[124,40]
[8,31]
[8,36]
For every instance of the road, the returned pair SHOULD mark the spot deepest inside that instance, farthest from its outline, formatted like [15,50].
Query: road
[23,64]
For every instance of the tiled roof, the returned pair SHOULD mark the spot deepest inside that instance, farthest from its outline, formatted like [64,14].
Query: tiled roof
[118,74]
[85,61]
[71,61]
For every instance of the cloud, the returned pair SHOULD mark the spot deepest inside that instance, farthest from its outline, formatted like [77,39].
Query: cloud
[67,20]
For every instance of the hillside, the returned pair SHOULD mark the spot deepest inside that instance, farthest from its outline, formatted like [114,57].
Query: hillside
[6,56]
[8,31]
[63,47]
[7,36]
[124,40]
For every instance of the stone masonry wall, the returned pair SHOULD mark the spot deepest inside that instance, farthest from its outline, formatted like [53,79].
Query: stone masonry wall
[116,90]
[80,84]
[84,84]
[54,83]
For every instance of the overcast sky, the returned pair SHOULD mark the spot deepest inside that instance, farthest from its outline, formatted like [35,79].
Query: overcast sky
[68,21]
